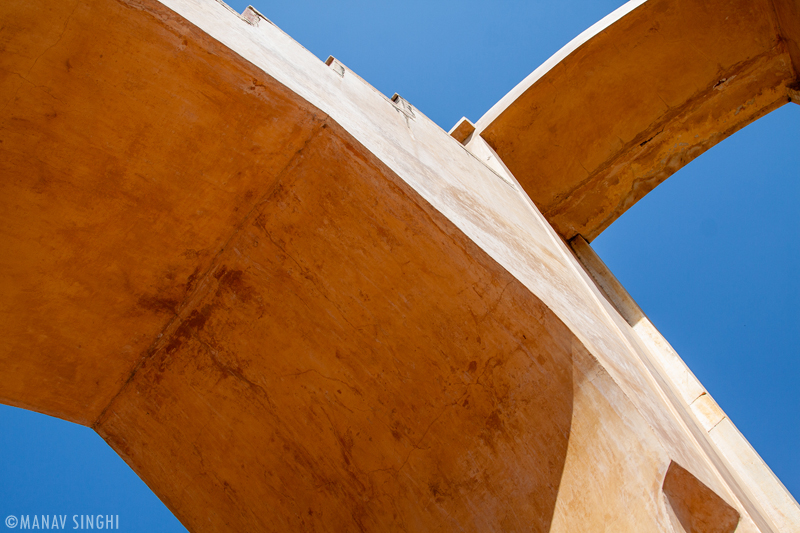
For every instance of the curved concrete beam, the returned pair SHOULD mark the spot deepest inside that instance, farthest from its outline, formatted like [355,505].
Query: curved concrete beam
[636,97]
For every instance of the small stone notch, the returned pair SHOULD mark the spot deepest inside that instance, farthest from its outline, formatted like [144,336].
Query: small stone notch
[336,65]
[403,106]
[462,130]
[254,16]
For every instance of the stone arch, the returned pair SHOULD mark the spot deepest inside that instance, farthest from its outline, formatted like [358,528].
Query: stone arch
[636,97]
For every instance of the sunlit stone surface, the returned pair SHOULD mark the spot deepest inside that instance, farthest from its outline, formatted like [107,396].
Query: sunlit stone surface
[293,304]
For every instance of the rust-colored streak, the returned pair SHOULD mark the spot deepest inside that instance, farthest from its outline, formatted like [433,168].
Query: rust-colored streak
[129,157]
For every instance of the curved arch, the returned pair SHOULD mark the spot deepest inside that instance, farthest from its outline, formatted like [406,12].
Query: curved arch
[636,97]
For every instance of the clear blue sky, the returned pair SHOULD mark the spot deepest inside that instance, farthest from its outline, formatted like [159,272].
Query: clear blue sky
[711,255]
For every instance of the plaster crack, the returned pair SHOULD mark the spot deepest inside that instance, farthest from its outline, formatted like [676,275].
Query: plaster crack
[296,374]
[231,371]
[60,36]
[493,307]
[307,275]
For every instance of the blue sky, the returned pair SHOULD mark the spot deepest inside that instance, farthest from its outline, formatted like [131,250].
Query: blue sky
[711,255]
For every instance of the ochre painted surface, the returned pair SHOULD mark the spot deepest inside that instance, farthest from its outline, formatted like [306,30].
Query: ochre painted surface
[355,364]
[788,17]
[129,157]
[638,101]
[279,329]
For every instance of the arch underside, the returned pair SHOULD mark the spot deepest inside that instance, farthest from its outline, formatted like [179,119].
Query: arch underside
[258,307]
[637,97]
